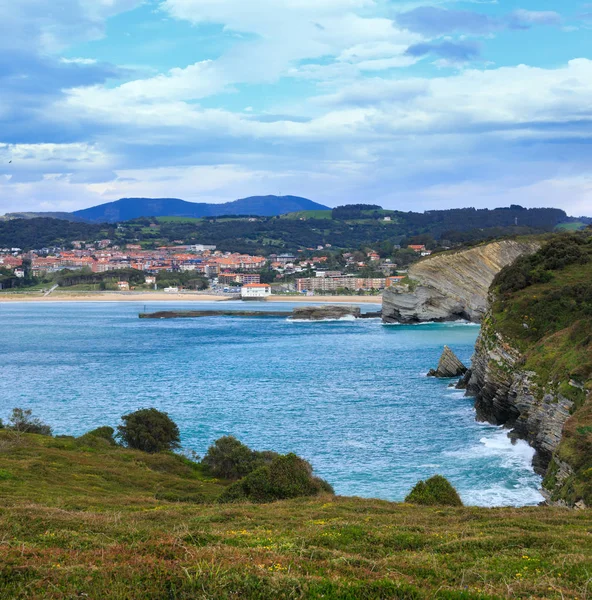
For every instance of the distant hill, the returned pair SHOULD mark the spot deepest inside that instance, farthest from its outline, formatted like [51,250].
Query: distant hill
[343,228]
[132,208]
[50,215]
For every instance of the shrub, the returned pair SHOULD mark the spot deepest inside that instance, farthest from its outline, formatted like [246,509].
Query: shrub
[559,253]
[435,491]
[22,421]
[106,434]
[286,477]
[228,458]
[149,430]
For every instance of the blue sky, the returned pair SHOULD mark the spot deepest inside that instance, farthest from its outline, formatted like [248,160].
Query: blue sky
[413,105]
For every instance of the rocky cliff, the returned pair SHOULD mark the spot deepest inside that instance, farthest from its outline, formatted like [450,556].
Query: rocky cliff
[532,367]
[449,366]
[451,285]
[508,394]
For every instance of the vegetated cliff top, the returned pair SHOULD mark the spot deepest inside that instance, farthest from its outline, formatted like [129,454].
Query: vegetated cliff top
[99,521]
[546,294]
[543,306]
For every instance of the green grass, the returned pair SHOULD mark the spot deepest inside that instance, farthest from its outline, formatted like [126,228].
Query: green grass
[575,226]
[74,474]
[308,214]
[178,220]
[103,522]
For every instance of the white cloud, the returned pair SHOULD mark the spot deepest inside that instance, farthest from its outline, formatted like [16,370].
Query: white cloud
[494,98]
[537,17]
[51,26]
[362,137]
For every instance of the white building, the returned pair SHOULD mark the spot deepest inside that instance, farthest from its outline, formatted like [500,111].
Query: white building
[201,248]
[256,290]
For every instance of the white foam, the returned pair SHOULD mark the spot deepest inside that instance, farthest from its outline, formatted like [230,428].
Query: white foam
[344,318]
[499,495]
[521,487]
[497,443]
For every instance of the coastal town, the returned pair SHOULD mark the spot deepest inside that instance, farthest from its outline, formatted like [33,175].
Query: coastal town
[250,276]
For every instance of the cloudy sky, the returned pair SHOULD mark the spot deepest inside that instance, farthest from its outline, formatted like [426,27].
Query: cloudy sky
[409,104]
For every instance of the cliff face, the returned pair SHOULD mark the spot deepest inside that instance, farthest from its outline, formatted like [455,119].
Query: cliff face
[507,394]
[451,286]
[532,367]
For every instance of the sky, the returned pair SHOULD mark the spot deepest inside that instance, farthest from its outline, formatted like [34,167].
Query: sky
[413,105]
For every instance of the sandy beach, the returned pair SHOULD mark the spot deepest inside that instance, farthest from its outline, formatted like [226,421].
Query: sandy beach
[165,297]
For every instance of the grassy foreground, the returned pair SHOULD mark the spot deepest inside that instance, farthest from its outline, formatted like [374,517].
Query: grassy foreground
[103,522]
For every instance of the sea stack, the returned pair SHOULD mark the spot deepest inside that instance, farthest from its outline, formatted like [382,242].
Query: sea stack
[449,366]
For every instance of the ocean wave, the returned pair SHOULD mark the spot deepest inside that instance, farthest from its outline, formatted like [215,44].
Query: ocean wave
[501,495]
[513,454]
[349,318]
[520,485]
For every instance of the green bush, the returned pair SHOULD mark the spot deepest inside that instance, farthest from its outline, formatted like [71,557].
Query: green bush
[228,458]
[149,430]
[435,491]
[22,421]
[105,432]
[559,253]
[286,477]
[99,436]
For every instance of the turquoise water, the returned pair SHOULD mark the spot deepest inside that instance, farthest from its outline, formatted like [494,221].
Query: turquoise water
[350,396]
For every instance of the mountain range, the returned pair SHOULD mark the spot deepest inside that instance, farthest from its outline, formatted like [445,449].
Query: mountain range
[126,209]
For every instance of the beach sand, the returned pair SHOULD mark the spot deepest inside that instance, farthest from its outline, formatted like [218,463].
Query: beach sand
[164,297]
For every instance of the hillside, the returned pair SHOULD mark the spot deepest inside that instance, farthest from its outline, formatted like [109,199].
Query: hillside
[127,209]
[103,522]
[48,232]
[532,368]
[452,285]
[343,228]
[48,215]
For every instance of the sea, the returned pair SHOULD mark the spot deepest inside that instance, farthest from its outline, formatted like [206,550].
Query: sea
[350,396]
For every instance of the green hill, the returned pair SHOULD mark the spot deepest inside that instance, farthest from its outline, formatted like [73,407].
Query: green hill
[95,521]
[347,227]
[543,308]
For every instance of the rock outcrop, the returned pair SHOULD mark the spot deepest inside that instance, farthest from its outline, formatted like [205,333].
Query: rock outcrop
[452,285]
[505,394]
[320,313]
[449,366]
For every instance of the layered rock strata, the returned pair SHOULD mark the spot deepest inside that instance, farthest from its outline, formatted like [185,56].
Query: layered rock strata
[506,394]
[449,366]
[452,285]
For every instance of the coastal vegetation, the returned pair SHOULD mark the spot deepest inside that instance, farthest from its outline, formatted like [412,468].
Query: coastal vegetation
[22,421]
[228,458]
[284,477]
[149,430]
[542,306]
[82,517]
[435,491]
